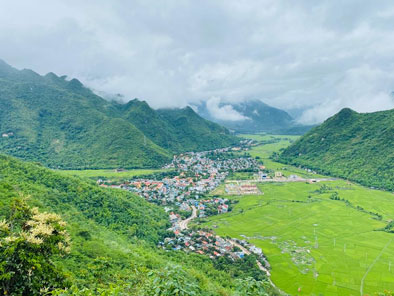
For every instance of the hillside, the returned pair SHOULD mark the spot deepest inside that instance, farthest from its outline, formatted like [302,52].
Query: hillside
[177,130]
[193,132]
[350,145]
[113,237]
[62,124]
[258,117]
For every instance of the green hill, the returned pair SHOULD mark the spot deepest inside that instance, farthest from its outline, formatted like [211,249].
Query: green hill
[193,132]
[62,124]
[177,130]
[113,238]
[354,146]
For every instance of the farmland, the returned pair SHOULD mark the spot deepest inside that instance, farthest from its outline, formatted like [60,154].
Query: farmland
[323,238]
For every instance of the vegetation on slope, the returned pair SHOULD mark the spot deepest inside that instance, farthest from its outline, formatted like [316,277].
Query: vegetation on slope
[28,242]
[177,130]
[113,240]
[350,145]
[194,133]
[64,125]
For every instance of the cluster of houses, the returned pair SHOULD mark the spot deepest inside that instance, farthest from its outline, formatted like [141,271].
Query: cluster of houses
[204,207]
[202,242]
[211,162]
[177,189]
[198,174]
[214,246]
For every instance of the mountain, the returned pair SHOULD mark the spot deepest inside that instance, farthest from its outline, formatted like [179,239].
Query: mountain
[255,116]
[63,124]
[177,130]
[114,236]
[350,145]
[192,131]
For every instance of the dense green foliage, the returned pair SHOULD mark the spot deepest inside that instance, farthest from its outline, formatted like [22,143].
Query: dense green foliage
[350,145]
[177,130]
[194,133]
[113,239]
[126,213]
[28,241]
[62,124]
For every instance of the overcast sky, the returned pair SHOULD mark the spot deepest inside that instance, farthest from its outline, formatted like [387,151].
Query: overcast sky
[316,55]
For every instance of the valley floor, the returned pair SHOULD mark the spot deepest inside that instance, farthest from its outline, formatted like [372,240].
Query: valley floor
[323,238]
[321,235]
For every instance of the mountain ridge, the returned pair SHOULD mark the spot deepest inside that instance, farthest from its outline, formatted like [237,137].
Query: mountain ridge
[351,145]
[63,124]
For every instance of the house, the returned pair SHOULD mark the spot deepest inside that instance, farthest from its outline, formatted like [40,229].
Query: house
[173,217]
[256,250]
[278,174]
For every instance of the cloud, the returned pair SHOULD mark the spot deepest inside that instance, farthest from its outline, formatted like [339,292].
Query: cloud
[223,112]
[317,56]
[364,89]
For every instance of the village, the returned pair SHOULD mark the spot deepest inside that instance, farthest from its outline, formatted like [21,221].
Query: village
[185,196]
[198,173]
[214,246]
[184,193]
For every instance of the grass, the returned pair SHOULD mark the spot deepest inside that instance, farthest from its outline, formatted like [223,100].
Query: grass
[316,245]
[111,174]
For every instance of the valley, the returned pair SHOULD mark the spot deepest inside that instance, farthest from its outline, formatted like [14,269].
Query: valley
[196,148]
[323,238]
[311,233]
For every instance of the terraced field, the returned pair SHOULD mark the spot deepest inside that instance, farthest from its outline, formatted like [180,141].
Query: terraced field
[321,239]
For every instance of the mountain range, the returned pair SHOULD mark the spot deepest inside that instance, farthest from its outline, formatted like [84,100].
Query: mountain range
[63,124]
[254,116]
[351,145]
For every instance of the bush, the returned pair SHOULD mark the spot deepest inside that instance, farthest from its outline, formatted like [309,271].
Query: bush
[28,241]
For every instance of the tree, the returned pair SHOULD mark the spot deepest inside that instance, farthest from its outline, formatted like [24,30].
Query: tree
[28,241]
[249,286]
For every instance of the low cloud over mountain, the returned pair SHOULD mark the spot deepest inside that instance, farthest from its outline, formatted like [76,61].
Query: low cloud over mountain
[224,112]
[314,56]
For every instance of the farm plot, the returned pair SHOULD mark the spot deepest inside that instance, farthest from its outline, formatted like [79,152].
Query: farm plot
[322,238]
[314,244]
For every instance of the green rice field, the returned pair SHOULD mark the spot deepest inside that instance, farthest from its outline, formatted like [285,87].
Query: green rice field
[316,245]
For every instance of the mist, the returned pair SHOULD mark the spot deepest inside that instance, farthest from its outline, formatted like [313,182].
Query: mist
[314,56]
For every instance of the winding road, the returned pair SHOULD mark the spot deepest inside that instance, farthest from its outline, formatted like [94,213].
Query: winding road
[183,224]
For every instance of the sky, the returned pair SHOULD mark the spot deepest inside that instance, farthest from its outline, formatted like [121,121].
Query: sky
[314,57]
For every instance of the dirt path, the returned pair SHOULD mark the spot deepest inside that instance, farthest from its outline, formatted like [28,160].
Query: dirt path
[372,265]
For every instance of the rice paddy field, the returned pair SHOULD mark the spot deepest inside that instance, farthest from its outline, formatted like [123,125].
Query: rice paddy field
[322,238]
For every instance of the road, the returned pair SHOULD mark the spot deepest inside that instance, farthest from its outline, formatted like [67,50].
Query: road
[261,267]
[183,224]
[247,252]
